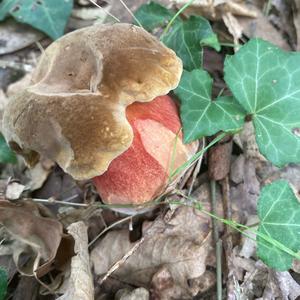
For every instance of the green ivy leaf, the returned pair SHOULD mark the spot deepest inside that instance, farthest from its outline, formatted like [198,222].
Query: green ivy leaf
[49,16]
[199,114]
[6,154]
[279,213]
[3,283]
[266,82]
[187,39]
[153,15]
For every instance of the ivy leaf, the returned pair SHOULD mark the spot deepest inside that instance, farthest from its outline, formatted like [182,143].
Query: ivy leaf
[6,154]
[199,114]
[266,82]
[279,212]
[187,39]
[3,283]
[153,15]
[49,16]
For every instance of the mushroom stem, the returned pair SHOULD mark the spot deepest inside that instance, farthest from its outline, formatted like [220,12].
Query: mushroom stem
[141,173]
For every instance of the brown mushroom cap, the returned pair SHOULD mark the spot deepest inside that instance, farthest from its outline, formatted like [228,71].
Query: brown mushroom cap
[74,110]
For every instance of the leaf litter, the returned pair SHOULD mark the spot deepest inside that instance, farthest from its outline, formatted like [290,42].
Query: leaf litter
[168,271]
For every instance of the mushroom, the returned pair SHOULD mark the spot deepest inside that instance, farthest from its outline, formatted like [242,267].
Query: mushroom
[79,111]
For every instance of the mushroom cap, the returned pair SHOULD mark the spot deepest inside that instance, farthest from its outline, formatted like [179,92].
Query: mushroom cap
[74,111]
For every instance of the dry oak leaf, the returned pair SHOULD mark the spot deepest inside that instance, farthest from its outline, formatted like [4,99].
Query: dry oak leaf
[80,285]
[180,243]
[43,235]
[215,9]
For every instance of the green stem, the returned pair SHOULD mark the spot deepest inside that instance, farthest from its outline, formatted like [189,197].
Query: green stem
[237,226]
[183,8]
[197,155]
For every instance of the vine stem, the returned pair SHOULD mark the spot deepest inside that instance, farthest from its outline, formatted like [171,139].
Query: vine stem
[237,226]
[217,239]
[195,157]
[183,8]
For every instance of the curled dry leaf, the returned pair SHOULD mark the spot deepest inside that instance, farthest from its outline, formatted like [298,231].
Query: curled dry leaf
[215,9]
[80,285]
[261,27]
[180,243]
[42,235]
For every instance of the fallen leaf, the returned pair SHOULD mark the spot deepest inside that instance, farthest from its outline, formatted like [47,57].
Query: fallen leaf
[245,192]
[296,18]
[262,28]
[16,36]
[233,26]
[42,235]
[289,288]
[80,285]
[136,294]
[215,9]
[180,243]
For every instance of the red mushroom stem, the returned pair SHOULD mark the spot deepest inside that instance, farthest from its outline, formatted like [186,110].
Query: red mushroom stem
[141,173]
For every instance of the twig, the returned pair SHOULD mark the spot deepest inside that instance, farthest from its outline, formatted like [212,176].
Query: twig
[196,170]
[108,228]
[227,241]
[131,13]
[148,233]
[107,12]
[216,239]
[54,201]
[122,260]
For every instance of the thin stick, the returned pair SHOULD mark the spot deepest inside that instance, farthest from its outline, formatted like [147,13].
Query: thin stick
[217,239]
[131,13]
[117,265]
[107,12]
[196,156]
[108,228]
[196,170]
[227,240]
[54,201]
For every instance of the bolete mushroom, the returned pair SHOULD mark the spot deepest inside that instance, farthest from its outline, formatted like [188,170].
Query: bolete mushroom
[79,111]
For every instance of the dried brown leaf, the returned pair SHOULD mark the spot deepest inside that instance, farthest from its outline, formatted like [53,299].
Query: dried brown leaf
[16,36]
[42,235]
[180,243]
[215,9]
[262,28]
[80,285]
